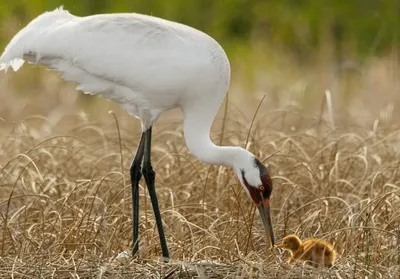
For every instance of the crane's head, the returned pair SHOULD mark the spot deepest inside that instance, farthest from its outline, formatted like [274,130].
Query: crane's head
[256,181]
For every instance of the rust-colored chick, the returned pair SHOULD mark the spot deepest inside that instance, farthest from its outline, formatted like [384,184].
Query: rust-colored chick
[315,252]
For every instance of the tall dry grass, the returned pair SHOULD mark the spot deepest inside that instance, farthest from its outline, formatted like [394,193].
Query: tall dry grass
[65,199]
[65,192]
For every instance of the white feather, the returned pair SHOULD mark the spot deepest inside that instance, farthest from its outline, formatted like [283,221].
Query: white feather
[105,52]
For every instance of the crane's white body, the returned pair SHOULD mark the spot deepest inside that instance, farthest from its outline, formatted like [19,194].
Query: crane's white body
[146,64]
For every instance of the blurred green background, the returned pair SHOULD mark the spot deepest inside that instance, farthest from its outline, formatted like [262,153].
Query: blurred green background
[290,50]
[357,27]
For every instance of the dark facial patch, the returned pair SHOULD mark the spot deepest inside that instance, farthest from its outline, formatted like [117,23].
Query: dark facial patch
[267,183]
[261,167]
[259,192]
[265,179]
[254,191]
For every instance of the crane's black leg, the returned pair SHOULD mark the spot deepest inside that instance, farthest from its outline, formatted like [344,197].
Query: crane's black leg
[149,176]
[135,178]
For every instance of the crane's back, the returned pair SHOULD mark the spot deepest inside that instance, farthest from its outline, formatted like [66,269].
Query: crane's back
[160,63]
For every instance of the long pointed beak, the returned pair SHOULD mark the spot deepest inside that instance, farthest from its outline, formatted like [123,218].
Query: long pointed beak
[265,214]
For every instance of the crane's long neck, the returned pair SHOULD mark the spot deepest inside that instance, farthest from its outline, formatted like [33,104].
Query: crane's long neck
[197,125]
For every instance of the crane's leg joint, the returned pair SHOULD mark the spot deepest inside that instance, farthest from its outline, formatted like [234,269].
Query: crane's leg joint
[149,173]
[135,172]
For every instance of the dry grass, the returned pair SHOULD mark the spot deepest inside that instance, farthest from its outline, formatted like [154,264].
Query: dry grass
[65,192]
[65,198]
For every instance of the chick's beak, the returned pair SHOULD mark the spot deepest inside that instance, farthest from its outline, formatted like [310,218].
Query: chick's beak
[265,214]
[280,245]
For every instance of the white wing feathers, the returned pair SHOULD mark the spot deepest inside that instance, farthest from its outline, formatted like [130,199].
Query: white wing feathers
[127,49]
[136,60]
[29,39]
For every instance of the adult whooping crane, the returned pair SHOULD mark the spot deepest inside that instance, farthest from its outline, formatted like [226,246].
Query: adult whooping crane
[147,65]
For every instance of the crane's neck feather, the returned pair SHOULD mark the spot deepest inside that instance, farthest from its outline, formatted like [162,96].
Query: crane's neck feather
[197,125]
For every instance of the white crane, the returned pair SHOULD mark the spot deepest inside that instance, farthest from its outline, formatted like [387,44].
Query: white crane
[147,65]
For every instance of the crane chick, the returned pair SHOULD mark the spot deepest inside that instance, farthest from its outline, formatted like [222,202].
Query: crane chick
[314,252]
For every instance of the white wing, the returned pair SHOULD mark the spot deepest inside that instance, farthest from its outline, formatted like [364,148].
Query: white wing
[132,52]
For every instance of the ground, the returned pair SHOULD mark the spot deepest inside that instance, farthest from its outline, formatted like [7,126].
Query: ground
[65,194]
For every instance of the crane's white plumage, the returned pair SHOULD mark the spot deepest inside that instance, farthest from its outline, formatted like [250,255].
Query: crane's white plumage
[124,57]
[146,64]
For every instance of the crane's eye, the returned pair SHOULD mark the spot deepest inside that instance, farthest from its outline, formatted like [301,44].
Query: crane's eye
[261,188]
